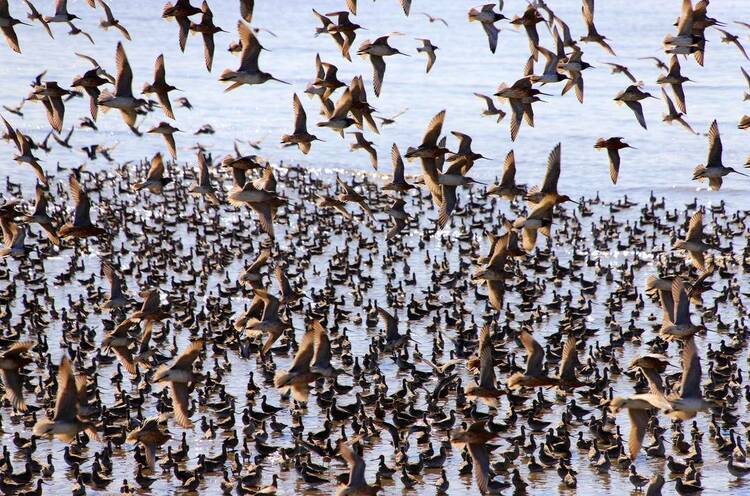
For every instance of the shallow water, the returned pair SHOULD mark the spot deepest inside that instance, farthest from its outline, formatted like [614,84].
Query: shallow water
[662,162]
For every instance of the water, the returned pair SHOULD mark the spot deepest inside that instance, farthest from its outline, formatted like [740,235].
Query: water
[663,161]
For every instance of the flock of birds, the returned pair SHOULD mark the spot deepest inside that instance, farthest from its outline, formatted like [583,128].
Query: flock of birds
[169,358]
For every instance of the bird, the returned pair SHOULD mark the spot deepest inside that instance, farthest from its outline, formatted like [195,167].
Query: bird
[33,15]
[714,169]
[7,23]
[631,97]
[299,136]
[486,390]
[179,376]
[507,187]
[66,422]
[270,322]
[61,13]
[693,242]
[613,146]
[167,131]
[90,82]
[356,484]
[534,375]
[621,69]
[592,35]
[123,98]
[181,12]
[155,180]
[434,19]
[248,72]
[116,298]
[203,184]
[160,87]
[23,145]
[487,17]
[111,21]
[50,94]
[81,227]
[13,359]
[151,436]
[208,29]
[376,50]
[675,79]
[672,114]
[728,37]
[475,438]
[362,143]
[491,109]
[428,48]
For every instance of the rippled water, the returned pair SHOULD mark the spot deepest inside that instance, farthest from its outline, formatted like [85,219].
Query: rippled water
[662,162]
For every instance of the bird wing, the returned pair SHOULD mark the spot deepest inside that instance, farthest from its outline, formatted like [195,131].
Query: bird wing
[714,146]
[486,359]
[434,128]
[695,228]
[553,171]
[250,48]
[187,357]
[302,359]
[66,404]
[690,386]
[535,354]
[124,80]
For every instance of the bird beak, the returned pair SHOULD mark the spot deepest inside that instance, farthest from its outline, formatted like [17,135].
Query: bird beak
[279,80]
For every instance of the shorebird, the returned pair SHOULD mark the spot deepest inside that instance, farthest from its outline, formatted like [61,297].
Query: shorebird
[486,389]
[14,237]
[116,298]
[160,87]
[428,48]
[675,79]
[714,169]
[300,136]
[428,151]
[181,11]
[393,340]
[551,73]
[270,322]
[530,18]
[534,375]
[685,404]
[657,61]
[339,119]
[475,438]
[592,36]
[349,194]
[33,15]
[356,485]
[362,144]
[400,218]
[81,227]
[613,146]
[23,145]
[507,187]
[181,378]
[325,201]
[203,184]
[621,69]
[449,181]
[167,131]
[693,242]
[7,23]
[631,97]
[66,422]
[343,44]
[491,109]
[520,95]
[123,98]
[150,435]
[300,375]
[432,18]
[746,95]
[488,17]
[672,114]
[50,94]
[90,82]
[248,72]
[111,22]
[677,315]
[61,13]
[575,67]
[207,29]
[155,180]
[39,216]
[728,37]
[12,362]
[376,50]
[263,202]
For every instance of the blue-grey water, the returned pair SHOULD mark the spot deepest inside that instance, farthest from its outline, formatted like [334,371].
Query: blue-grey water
[662,161]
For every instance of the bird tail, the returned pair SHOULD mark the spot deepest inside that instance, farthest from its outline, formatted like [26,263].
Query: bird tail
[43,428]
[138,186]
[282,379]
